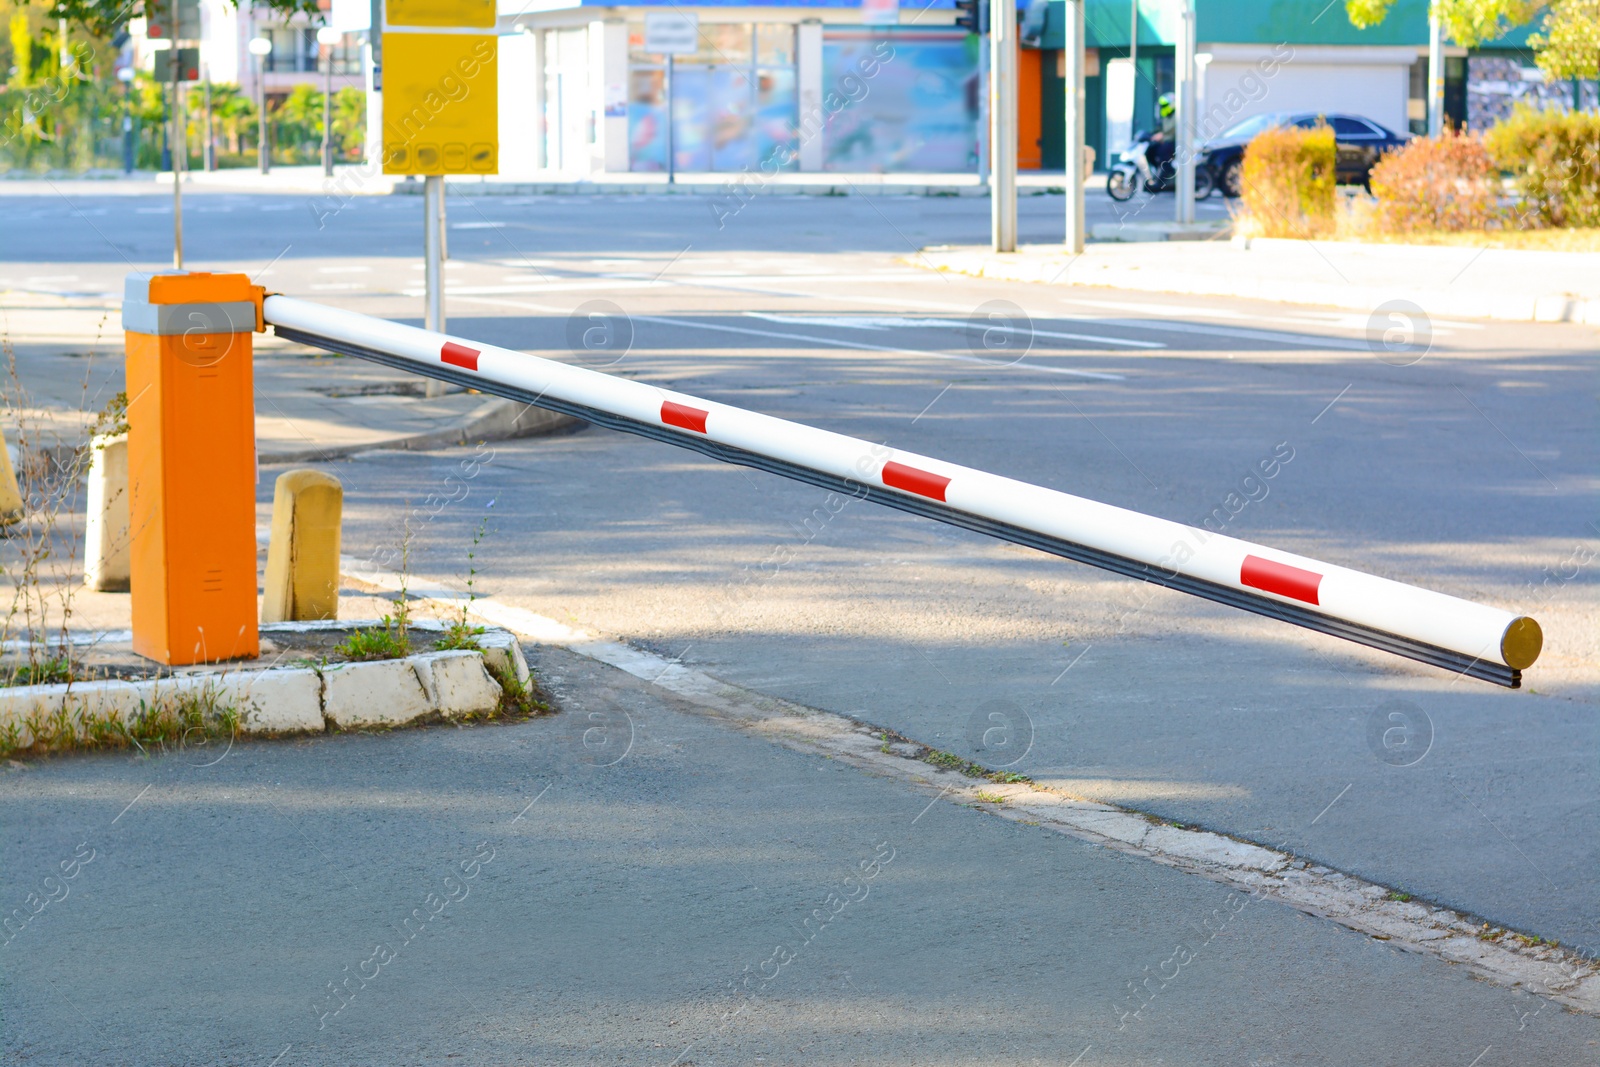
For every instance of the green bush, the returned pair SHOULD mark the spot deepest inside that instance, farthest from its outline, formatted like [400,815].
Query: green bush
[1554,158]
[1288,183]
[1433,184]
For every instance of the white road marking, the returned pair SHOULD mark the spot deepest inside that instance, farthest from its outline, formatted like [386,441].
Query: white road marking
[834,342]
[875,322]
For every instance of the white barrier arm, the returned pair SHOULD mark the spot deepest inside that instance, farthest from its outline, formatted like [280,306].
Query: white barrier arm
[1434,628]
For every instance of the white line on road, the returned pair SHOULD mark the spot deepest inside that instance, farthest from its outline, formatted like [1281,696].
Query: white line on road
[882,322]
[836,343]
[828,341]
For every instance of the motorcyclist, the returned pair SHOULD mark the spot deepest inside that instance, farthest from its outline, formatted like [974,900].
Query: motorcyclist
[1164,142]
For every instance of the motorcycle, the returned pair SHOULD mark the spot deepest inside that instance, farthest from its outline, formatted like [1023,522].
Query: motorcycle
[1133,172]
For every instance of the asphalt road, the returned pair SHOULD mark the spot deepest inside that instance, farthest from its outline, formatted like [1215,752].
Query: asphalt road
[1470,470]
[509,894]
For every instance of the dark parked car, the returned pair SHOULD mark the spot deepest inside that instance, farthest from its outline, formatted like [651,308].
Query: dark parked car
[1360,142]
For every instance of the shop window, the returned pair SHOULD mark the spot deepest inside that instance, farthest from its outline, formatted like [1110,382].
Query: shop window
[733,102]
[896,99]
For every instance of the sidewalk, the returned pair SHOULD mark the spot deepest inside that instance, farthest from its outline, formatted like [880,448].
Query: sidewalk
[1441,281]
[310,405]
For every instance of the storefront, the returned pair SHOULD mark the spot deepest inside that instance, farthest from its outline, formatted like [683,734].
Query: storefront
[775,88]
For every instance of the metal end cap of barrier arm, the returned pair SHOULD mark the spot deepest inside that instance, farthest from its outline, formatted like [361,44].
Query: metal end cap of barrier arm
[1521,643]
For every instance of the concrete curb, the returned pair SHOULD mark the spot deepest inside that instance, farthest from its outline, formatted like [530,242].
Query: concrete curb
[295,700]
[495,419]
[1085,270]
[1255,871]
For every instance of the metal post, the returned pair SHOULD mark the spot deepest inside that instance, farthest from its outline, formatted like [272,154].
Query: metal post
[327,114]
[985,155]
[1133,42]
[263,150]
[672,146]
[1435,73]
[1185,155]
[1003,124]
[180,146]
[211,137]
[127,126]
[433,261]
[1075,127]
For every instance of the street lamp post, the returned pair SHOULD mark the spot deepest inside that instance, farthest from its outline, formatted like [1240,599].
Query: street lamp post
[125,76]
[261,48]
[327,37]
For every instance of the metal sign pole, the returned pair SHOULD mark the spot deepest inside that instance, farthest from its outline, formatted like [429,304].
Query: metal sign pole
[1185,155]
[672,145]
[1073,46]
[433,258]
[1003,124]
[180,144]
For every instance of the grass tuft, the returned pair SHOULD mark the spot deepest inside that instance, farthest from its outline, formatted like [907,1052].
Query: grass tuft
[951,761]
[182,721]
[393,641]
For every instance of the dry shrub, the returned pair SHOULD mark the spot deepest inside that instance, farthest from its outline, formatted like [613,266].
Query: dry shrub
[1554,157]
[1446,183]
[1288,182]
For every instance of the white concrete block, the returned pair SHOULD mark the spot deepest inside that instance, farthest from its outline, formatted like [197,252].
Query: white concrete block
[457,683]
[278,701]
[502,652]
[106,560]
[384,693]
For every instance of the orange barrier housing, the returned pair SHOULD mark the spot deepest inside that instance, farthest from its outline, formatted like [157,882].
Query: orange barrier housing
[192,465]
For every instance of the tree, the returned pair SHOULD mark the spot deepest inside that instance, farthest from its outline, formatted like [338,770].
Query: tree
[103,18]
[1568,44]
[1468,23]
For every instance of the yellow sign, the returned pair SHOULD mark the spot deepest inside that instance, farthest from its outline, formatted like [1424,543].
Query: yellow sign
[477,14]
[441,103]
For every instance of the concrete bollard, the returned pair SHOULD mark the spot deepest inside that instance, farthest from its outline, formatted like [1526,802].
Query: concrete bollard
[11,507]
[303,557]
[107,562]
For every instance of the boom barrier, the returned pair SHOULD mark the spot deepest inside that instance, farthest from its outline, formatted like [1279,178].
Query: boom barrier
[1434,628]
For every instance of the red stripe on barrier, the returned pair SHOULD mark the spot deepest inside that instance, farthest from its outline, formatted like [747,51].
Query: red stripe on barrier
[1280,578]
[459,355]
[684,416]
[912,480]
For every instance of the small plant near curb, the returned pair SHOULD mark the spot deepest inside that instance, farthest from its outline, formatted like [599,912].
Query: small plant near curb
[989,798]
[461,634]
[393,641]
[518,699]
[180,722]
[1398,897]
[51,671]
[951,761]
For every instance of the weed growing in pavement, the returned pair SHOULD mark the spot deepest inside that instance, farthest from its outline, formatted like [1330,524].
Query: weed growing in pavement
[460,633]
[951,761]
[518,699]
[1399,897]
[42,540]
[393,639]
[989,798]
[52,670]
[168,724]
[389,642]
